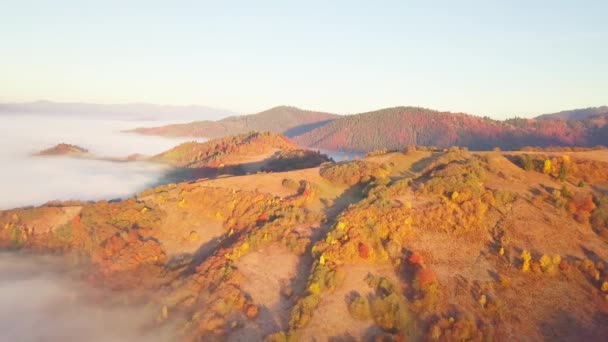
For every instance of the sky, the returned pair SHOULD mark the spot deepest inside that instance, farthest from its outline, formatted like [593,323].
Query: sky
[495,58]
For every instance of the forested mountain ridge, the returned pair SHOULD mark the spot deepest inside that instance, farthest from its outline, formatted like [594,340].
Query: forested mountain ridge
[396,127]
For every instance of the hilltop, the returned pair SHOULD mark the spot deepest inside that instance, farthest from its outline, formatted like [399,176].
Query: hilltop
[244,153]
[64,149]
[416,245]
[285,120]
[224,150]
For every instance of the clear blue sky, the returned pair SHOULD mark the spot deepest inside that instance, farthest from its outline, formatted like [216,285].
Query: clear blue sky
[496,58]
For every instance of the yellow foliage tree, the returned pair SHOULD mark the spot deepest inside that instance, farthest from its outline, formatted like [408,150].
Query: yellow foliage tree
[548,167]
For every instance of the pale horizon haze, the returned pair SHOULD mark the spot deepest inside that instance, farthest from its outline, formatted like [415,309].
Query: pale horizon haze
[493,58]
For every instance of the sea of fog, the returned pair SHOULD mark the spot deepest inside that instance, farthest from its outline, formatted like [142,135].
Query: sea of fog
[42,299]
[41,296]
[27,180]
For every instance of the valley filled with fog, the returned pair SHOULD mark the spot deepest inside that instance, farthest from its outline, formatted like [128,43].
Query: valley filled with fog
[43,297]
[31,180]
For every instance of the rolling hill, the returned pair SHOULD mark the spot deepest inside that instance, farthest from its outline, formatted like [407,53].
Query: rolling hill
[224,150]
[236,155]
[285,120]
[405,246]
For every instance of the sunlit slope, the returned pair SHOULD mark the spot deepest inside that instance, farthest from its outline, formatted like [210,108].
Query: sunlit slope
[416,246]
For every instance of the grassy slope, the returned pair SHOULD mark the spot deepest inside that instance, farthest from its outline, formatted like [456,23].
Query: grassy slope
[224,150]
[215,273]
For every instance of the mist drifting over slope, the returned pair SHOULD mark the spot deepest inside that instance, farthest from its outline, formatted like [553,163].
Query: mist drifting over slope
[27,180]
[43,300]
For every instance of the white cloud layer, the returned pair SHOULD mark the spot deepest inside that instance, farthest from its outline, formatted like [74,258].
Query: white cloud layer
[27,180]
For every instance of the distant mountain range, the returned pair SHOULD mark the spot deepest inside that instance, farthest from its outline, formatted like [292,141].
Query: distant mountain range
[289,121]
[576,114]
[127,111]
[394,128]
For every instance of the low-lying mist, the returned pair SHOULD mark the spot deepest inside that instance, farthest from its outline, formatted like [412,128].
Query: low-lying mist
[43,300]
[27,180]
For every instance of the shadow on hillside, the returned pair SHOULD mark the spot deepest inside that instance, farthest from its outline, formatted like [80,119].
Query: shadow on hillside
[591,255]
[349,196]
[423,163]
[299,130]
[271,164]
[601,188]
[294,288]
[297,285]
[565,327]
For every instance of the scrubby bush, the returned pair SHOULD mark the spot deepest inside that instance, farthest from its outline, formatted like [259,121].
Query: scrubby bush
[581,206]
[388,312]
[359,308]
[302,312]
[276,337]
[463,328]
[354,172]
[550,264]
[290,184]
[527,162]
[287,160]
[377,153]
[563,172]
[410,149]
[504,197]
[465,200]
[389,308]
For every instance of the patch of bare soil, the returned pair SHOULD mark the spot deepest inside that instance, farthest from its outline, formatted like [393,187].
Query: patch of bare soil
[269,275]
[562,307]
[187,231]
